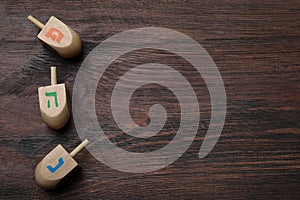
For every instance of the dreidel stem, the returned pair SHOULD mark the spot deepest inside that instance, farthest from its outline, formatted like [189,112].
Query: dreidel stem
[53,76]
[79,148]
[36,22]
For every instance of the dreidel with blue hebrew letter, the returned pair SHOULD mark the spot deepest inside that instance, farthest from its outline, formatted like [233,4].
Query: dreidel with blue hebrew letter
[57,166]
[53,103]
[59,37]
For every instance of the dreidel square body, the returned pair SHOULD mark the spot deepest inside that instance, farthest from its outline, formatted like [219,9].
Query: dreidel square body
[61,38]
[53,105]
[55,168]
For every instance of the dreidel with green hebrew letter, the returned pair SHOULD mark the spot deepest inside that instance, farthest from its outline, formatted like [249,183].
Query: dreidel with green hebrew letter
[65,41]
[53,103]
[57,166]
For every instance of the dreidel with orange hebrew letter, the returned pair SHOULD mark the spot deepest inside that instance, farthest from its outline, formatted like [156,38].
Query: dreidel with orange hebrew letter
[57,166]
[59,37]
[53,103]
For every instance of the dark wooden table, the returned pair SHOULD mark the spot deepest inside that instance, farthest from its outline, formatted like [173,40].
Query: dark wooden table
[256,46]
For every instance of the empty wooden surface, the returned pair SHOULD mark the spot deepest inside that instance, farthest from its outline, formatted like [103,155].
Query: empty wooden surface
[256,46]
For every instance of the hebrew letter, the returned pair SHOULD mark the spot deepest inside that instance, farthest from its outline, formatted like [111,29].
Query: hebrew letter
[52,94]
[55,35]
[59,164]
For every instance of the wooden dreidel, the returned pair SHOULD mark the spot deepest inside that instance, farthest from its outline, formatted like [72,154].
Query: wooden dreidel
[57,166]
[59,37]
[53,103]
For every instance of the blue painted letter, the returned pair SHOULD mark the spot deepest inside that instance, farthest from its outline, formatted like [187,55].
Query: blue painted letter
[54,169]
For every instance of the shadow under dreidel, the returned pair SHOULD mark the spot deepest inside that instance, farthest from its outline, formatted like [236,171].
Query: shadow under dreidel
[74,177]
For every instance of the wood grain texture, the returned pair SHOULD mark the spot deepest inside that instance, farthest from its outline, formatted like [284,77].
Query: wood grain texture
[256,46]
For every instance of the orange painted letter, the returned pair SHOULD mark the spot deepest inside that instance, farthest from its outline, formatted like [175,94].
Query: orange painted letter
[55,35]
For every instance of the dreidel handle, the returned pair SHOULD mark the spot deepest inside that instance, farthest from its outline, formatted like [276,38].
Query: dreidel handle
[36,22]
[79,148]
[53,76]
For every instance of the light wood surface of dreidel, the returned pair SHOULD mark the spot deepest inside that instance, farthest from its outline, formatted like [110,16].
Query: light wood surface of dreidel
[53,103]
[57,166]
[59,37]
